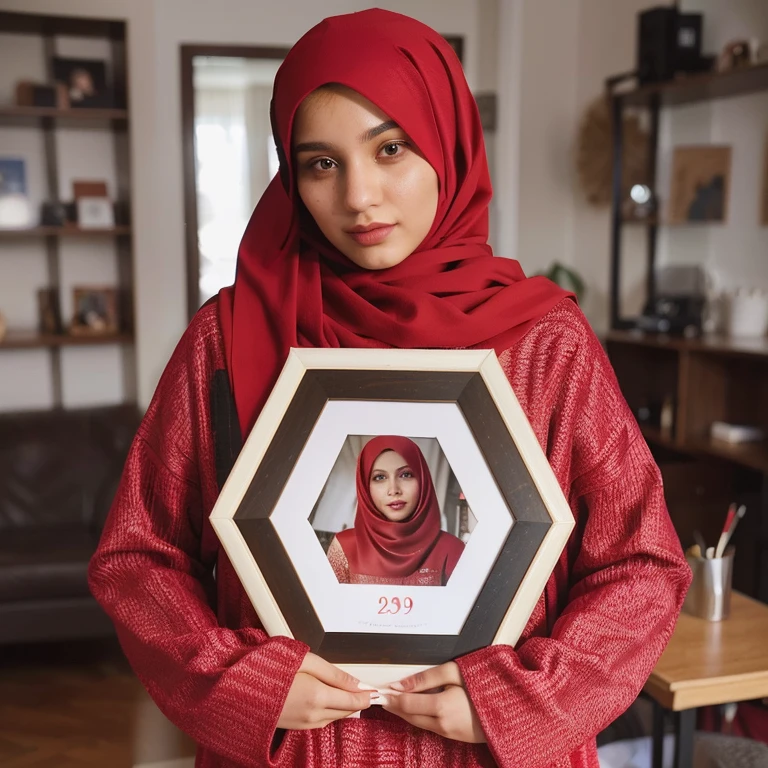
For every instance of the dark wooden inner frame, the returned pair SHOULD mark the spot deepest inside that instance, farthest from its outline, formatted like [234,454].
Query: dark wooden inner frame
[532,521]
[188,54]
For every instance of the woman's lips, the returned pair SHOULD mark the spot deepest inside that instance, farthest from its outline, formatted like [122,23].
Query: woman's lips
[372,236]
[396,505]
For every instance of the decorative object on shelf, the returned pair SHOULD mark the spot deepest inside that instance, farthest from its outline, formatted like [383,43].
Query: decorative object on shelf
[95,213]
[85,81]
[677,308]
[15,210]
[54,214]
[700,184]
[3,326]
[594,153]
[89,188]
[736,433]
[747,313]
[668,43]
[567,278]
[94,208]
[29,94]
[95,311]
[736,54]
[49,315]
[641,203]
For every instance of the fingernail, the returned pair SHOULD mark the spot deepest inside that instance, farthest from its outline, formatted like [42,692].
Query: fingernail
[380,700]
[397,686]
[366,687]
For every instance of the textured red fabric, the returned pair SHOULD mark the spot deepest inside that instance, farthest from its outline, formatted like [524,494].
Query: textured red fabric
[383,547]
[434,570]
[595,634]
[293,289]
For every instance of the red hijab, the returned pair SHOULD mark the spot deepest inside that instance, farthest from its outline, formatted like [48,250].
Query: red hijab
[294,289]
[383,547]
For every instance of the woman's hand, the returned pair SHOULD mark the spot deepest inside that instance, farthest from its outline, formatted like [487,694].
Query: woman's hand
[436,700]
[320,694]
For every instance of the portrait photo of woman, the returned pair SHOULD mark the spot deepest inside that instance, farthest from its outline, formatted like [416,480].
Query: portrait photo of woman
[398,533]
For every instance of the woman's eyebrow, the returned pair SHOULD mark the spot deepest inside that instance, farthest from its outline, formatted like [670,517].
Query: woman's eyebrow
[369,135]
[372,133]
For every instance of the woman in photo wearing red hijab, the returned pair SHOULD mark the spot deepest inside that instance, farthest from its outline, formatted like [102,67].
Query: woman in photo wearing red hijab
[374,234]
[396,538]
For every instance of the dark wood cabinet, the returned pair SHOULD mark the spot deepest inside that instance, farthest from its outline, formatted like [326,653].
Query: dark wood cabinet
[676,388]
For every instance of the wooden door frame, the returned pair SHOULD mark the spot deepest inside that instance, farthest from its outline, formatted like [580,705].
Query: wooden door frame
[188,53]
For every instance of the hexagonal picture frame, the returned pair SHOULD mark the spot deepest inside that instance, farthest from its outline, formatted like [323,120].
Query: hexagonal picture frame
[435,540]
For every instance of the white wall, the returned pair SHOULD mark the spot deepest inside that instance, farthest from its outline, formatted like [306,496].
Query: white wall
[156,30]
[735,253]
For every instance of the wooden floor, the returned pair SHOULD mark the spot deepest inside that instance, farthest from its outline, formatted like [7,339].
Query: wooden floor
[77,706]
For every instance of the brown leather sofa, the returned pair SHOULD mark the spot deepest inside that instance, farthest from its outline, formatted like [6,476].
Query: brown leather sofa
[59,471]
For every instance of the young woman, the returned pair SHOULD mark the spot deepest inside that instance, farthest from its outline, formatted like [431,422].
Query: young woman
[396,538]
[375,234]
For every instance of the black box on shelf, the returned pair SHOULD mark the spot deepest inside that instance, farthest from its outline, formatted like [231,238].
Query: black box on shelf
[669,42]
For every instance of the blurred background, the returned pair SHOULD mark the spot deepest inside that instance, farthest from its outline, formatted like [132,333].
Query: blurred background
[628,147]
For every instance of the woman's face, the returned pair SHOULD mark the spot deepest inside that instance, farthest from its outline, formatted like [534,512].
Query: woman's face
[394,488]
[370,191]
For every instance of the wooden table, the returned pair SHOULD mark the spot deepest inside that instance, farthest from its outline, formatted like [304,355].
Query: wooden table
[708,663]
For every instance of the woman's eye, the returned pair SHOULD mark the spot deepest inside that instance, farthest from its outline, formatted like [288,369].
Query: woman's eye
[407,475]
[393,150]
[377,478]
[323,164]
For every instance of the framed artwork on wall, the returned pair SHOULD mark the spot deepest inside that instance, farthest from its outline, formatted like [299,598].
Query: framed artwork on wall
[700,184]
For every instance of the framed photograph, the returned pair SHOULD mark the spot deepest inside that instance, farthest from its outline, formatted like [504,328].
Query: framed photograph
[85,81]
[95,311]
[457,43]
[700,184]
[392,509]
[15,208]
[95,213]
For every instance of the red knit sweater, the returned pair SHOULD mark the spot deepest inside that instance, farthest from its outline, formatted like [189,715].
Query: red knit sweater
[595,634]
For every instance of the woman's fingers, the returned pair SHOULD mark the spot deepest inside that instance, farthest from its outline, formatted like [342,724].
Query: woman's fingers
[313,704]
[329,674]
[430,679]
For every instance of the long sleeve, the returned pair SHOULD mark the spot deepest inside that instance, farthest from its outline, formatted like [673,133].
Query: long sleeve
[153,574]
[614,597]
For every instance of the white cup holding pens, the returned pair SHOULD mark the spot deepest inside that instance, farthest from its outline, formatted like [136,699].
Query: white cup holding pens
[709,596]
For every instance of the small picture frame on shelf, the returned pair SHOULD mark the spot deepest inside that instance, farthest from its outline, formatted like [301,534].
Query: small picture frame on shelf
[15,208]
[49,314]
[700,184]
[85,81]
[95,213]
[95,311]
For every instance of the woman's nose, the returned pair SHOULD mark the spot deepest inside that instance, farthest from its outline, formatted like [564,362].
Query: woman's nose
[394,488]
[361,188]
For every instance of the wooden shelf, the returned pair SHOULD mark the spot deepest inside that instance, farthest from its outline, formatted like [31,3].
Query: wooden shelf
[691,89]
[753,455]
[757,347]
[655,435]
[34,340]
[14,114]
[13,234]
